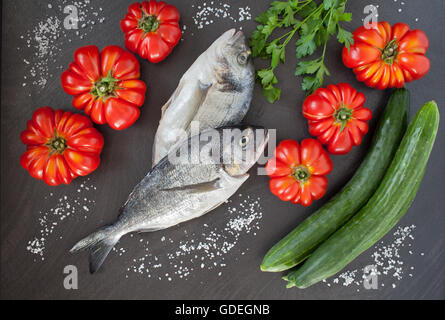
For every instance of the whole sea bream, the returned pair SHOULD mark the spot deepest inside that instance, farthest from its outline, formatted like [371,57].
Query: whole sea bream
[196,177]
[215,91]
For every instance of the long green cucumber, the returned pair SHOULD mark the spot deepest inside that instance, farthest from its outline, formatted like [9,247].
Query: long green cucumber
[304,239]
[385,208]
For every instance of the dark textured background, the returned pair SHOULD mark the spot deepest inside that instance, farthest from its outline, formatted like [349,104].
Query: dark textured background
[126,159]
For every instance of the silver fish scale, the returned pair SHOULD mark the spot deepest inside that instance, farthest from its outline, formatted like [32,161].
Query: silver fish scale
[222,108]
[152,205]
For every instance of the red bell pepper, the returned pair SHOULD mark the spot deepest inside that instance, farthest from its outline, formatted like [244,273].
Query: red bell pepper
[60,146]
[337,117]
[298,171]
[386,56]
[105,85]
[151,29]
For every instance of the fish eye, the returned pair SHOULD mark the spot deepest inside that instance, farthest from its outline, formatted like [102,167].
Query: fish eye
[242,57]
[244,141]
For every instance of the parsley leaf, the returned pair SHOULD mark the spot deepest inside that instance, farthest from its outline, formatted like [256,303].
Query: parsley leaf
[307,67]
[345,37]
[271,93]
[314,24]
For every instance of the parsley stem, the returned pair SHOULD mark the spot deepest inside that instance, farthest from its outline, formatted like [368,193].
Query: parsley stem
[326,42]
[300,24]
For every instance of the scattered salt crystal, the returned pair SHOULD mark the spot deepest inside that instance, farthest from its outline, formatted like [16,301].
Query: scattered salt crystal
[47,40]
[66,206]
[204,250]
[207,13]
[387,260]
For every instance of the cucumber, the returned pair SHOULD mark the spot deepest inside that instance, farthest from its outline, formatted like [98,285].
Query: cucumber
[385,208]
[303,240]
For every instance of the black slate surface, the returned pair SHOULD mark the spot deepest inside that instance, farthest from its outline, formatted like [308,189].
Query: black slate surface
[126,159]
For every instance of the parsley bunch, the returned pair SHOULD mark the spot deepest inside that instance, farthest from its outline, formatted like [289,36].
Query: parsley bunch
[314,23]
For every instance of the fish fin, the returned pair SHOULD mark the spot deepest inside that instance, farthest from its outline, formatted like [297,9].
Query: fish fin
[100,251]
[202,92]
[149,230]
[165,107]
[199,187]
[203,89]
[172,98]
[177,114]
[100,244]
[237,182]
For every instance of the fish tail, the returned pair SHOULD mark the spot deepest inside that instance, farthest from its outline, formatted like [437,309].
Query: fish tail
[100,244]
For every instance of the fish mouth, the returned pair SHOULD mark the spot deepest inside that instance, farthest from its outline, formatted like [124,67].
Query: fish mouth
[237,36]
[227,36]
[260,146]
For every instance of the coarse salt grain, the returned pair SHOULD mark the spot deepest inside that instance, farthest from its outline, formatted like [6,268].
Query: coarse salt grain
[387,261]
[209,12]
[205,250]
[48,38]
[65,207]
